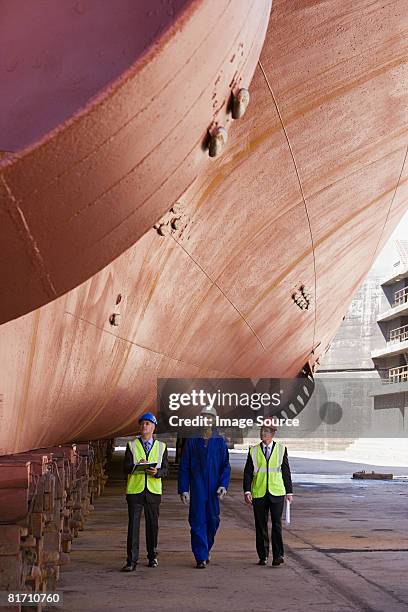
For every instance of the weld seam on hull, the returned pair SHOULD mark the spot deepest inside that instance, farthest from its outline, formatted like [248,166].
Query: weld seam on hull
[19,220]
[301,190]
[141,346]
[222,292]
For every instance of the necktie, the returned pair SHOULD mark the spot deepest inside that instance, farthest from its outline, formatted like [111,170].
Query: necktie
[146,446]
[266,451]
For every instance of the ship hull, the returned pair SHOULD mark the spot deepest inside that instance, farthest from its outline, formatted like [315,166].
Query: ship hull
[309,188]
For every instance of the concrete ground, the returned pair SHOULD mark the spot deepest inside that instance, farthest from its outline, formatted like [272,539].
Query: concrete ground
[346,550]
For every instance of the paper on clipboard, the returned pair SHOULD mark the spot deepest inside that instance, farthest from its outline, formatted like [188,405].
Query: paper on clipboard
[287,513]
[142,467]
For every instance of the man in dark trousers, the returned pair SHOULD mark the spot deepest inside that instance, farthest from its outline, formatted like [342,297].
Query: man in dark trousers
[267,483]
[144,489]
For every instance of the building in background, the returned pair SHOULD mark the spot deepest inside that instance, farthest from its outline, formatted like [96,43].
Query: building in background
[372,342]
[390,357]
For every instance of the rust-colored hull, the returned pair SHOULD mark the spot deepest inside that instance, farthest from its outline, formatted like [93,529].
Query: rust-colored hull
[99,153]
[311,184]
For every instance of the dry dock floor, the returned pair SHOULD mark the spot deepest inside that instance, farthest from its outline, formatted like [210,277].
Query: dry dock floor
[346,550]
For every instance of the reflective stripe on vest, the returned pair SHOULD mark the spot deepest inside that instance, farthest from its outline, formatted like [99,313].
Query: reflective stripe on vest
[270,471]
[136,483]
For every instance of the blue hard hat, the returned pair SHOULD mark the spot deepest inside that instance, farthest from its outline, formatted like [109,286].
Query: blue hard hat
[148,416]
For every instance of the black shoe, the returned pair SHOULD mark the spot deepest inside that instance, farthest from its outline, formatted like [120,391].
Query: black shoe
[278,561]
[208,560]
[201,565]
[153,563]
[129,567]
[263,561]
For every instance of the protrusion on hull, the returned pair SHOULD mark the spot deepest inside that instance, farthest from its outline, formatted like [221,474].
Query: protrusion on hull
[218,140]
[240,103]
[114,319]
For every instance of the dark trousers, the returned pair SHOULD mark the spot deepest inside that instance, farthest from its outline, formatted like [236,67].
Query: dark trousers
[151,506]
[262,507]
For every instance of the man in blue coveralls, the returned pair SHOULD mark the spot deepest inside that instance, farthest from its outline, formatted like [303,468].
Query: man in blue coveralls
[204,475]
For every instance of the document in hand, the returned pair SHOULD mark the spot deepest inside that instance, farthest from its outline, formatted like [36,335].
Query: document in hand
[142,467]
[287,513]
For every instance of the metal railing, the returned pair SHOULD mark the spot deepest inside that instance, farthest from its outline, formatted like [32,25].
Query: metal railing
[396,375]
[401,296]
[399,334]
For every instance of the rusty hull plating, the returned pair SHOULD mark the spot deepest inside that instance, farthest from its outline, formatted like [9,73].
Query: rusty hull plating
[104,121]
[254,254]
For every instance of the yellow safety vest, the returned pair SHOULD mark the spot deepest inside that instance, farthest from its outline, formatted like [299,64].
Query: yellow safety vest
[136,483]
[267,472]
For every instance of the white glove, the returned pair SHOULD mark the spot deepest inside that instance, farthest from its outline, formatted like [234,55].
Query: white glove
[185,498]
[221,492]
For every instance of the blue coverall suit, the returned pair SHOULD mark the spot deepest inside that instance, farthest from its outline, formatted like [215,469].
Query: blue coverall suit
[203,468]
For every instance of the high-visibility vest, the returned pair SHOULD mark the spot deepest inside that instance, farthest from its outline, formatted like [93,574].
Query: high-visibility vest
[136,483]
[267,473]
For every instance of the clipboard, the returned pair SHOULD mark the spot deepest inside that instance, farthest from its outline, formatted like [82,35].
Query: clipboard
[142,467]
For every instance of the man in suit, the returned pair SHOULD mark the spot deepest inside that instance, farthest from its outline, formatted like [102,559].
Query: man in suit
[267,483]
[204,475]
[144,489]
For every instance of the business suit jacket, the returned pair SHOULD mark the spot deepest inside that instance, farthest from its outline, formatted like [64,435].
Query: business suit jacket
[249,472]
